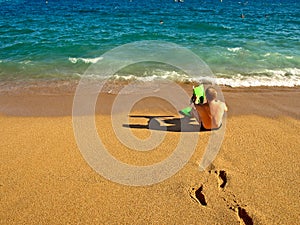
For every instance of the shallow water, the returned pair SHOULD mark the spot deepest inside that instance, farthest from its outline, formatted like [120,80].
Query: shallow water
[61,39]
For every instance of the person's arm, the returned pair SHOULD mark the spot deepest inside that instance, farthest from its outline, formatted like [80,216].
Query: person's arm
[195,113]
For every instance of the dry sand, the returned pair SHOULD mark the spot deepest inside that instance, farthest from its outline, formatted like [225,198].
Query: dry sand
[44,179]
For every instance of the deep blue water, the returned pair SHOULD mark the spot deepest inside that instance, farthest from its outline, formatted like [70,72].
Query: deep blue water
[60,39]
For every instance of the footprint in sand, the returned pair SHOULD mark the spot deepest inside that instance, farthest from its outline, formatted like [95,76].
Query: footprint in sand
[198,196]
[222,178]
[242,214]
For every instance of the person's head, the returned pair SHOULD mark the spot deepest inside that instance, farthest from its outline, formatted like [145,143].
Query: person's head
[211,94]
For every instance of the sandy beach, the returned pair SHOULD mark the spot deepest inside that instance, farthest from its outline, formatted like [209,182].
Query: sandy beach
[254,179]
[128,155]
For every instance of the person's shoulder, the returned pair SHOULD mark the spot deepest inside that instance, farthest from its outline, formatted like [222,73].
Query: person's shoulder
[217,102]
[222,104]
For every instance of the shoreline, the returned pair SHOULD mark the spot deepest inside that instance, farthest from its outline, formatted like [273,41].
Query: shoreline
[55,98]
[66,87]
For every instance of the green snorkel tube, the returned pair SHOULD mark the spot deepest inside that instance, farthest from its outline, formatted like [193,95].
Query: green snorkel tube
[197,98]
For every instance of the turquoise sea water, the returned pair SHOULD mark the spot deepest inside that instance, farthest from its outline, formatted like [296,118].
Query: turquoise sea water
[60,39]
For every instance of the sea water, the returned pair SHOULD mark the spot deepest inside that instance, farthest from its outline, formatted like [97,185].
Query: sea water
[244,43]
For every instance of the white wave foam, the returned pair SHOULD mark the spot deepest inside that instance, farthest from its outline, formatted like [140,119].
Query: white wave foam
[256,82]
[26,62]
[235,49]
[237,81]
[227,27]
[272,78]
[289,57]
[85,60]
[289,77]
[156,75]
[283,72]
[276,54]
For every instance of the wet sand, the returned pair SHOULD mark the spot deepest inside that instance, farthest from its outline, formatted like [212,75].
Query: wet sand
[254,178]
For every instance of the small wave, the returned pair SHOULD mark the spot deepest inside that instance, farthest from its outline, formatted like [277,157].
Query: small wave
[284,72]
[85,60]
[227,27]
[276,54]
[289,57]
[234,49]
[144,77]
[26,62]
[288,77]
[272,78]
[157,75]
[257,82]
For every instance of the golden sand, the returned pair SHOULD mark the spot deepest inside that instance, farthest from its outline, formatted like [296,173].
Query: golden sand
[44,179]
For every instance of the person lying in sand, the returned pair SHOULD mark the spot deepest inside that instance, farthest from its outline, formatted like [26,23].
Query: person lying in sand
[210,114]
